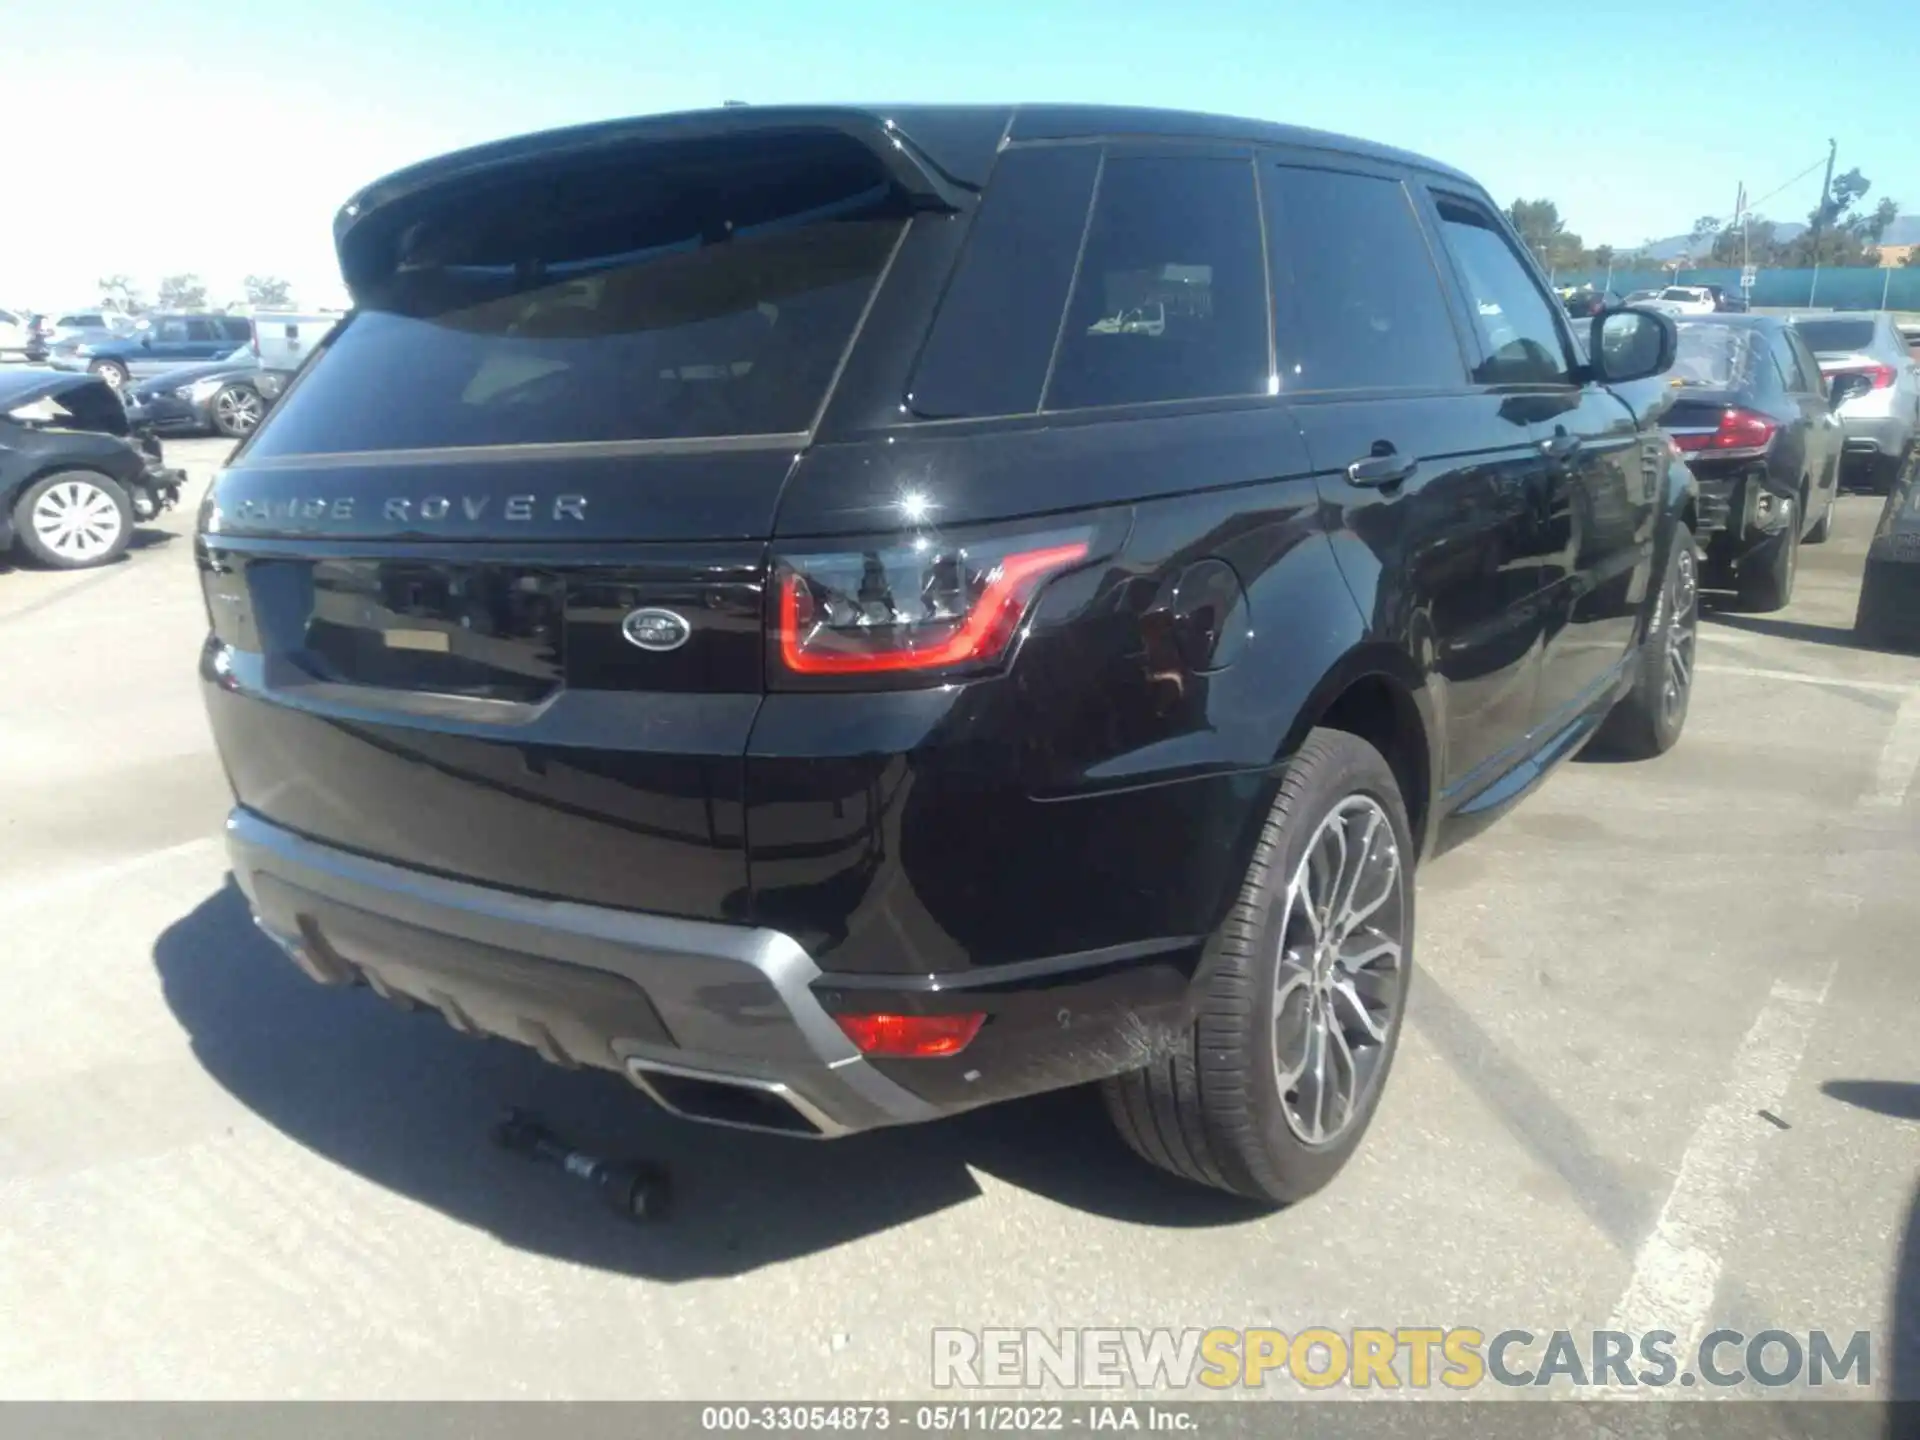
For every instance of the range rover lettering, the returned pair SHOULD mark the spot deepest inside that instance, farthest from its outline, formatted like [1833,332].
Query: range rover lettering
[1114,549]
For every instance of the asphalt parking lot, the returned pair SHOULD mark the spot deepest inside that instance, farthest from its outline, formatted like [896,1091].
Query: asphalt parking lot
[218,1180]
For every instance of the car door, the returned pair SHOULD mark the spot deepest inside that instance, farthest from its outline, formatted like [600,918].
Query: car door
[1426,469]
[1592,498]
[1821,433]
[165,345]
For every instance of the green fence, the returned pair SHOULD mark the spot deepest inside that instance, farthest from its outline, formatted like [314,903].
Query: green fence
[1829,288]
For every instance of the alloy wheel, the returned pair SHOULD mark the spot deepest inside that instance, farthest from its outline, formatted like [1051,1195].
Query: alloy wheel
[1683,627]
[237,411]
[1341,977]
[77,520]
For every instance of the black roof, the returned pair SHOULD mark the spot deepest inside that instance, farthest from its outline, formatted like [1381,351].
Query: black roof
[931,147]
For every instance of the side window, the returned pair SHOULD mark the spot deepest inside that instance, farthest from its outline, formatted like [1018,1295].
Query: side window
[994,334]
[1357,301]
[1521,342]
[1788,355]
[1809,364]
[202,330]
[170,331]
[237,329]
[1171,298]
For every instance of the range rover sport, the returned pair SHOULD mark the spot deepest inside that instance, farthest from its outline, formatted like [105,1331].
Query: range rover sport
[746,601]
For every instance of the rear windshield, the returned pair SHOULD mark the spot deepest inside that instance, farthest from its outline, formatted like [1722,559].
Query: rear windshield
[1712,355]
[1682,292]
[1830,337]
[703,290]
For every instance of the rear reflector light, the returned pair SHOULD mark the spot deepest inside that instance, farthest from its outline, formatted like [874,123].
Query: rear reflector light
[911,1037]
[919,605]
[1881,376]
[1738,430]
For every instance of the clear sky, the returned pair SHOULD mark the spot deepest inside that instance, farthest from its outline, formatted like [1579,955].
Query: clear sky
[173,135]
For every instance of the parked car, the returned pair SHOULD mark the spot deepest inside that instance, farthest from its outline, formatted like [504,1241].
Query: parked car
[1651,300]
[164,342]
[228,396]
[74,479]
[1689,299]
[1882,418]
[16,334]
[282,341]
[66,329]
[887,688]
[1585,301]
[1889,606]
[1756,423]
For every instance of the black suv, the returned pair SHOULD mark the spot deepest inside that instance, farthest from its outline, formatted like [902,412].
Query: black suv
[844,616]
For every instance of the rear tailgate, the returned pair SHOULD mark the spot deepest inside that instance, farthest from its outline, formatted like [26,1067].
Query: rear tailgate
[486,587]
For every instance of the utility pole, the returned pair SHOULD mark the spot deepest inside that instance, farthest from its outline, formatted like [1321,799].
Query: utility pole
[1826,197]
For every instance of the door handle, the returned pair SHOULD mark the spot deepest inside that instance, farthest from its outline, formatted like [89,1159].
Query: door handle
[1560,445]
[1381,472]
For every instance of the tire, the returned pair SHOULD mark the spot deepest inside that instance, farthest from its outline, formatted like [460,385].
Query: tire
[101,520]
[237,411]
[1648,719]
[111,371]
[1765,579]
[1823,531]
[1217,1110]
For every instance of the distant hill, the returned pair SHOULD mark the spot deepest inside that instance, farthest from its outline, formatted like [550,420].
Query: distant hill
[1904,231]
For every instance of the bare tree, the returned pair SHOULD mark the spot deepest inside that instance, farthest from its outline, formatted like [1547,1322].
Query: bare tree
[183,292]
[268,290]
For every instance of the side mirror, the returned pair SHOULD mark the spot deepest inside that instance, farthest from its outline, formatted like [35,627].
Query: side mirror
[1843,388]
[1632,344]
[146,341]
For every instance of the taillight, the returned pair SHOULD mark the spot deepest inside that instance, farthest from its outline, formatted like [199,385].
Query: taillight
[916,606]
[1739,432]
[911,1037]
[1880,375]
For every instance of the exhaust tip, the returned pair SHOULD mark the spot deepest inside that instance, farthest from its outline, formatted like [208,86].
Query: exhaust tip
[764,1105]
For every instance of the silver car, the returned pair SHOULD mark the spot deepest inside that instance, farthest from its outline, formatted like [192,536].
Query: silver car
[1880,423]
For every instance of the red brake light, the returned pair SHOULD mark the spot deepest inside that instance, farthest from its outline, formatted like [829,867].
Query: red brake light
[1738,430]
[1880,375]
[911,1037]
[915,605]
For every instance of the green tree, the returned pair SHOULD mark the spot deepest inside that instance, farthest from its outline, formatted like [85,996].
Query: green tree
[268,290]
[1838,233]
[183,292]
[1546,234]
[118,292]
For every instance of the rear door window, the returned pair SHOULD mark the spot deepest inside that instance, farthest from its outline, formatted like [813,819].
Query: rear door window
[1170,302]
[996,327]
[1791,367]
[708,288]
[1835,337]
[1357,300]
[1519,337]
[202,332]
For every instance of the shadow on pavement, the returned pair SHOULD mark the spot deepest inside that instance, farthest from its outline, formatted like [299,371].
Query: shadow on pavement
[1898,1100]
[1841,635]
[404,1101]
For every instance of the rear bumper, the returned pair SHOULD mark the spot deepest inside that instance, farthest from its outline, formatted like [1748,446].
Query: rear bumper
[1875,434]
[725,1023]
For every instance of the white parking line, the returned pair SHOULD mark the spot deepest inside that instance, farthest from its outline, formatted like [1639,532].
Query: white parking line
[1838,682]
[1893,777]
[1677,1270]
[61,885]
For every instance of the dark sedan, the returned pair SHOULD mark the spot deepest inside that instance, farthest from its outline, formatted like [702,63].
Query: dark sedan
[228,396]
[1752,414]
[1889,612]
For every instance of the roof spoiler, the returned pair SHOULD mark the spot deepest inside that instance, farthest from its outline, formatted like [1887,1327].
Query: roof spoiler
[383,209]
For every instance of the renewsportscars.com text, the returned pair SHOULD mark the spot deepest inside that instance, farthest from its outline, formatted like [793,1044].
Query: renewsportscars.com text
[1403,1357]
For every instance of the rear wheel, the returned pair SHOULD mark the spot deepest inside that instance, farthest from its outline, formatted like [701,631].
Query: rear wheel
[74,519]
[1649,718]
[1765,580]
[1300,1002]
